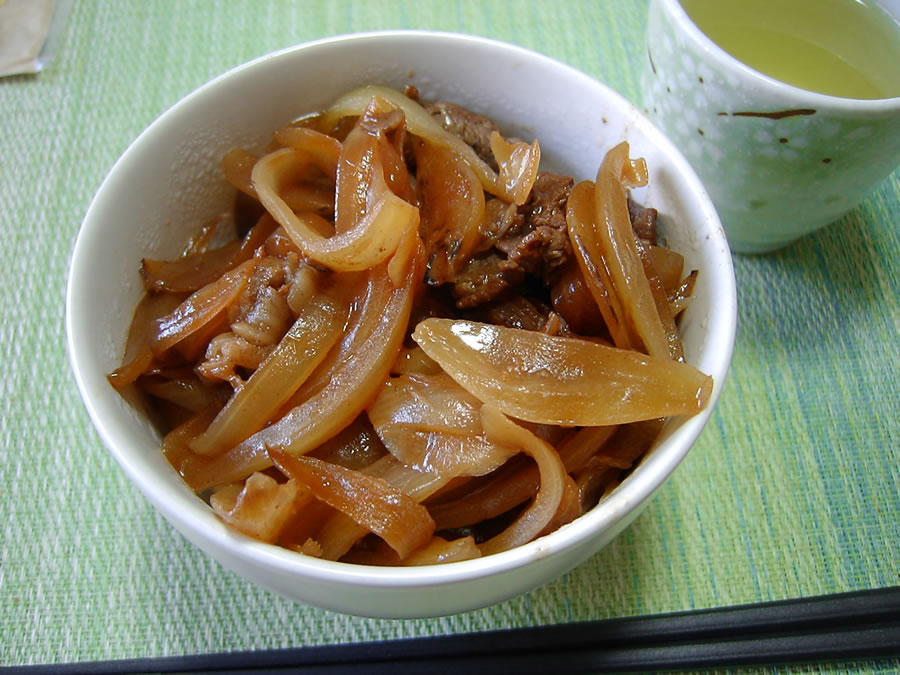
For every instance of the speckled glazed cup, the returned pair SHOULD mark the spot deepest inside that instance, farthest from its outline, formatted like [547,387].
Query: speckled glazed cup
[779,162]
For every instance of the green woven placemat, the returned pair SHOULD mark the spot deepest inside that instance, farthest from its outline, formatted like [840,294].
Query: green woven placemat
[790,491]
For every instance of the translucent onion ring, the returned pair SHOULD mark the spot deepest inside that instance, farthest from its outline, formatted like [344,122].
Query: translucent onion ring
[515,179]
[538,515]
[371,241]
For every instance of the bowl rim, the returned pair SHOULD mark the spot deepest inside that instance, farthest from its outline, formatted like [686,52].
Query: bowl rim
[635,491]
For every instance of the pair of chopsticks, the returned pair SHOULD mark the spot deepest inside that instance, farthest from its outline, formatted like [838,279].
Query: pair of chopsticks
[856,626]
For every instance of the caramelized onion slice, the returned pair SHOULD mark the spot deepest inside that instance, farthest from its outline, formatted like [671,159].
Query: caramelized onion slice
[138,353]
[183,390]
[452,209]
[352,377]
[323,150]
[574,302]
[512,485]
[203,307]
[618,248]
[518,164]
[682,296]
[540,512]
[237,164]
[188,273]
[595,481]
[176,444]
[339,533]
[371,162]
[355,447]
[431,424]
[558,380]
[370,241]
[669,265]
[569,507]
[661,301]
[511,184]
[371,502]
[438,551]
[593,266]
[278,377]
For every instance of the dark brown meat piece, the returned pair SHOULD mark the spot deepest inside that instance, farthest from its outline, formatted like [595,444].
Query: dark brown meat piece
[541,246]
[484,278]
[500,219]
[643,222]
[532,240]
[518,311]
[472,128]
[515,311]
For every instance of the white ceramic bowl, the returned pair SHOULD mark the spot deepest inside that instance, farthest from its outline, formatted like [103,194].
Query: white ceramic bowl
[169,179]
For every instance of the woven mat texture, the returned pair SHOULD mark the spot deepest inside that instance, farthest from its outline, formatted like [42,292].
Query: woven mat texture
[792,489]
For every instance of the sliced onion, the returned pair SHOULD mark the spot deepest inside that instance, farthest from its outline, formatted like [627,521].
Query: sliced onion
[414,361]
[355,447]
[514,484]
[558,380]
[437,551]
[138,353]
[420,123]
[505,489]
[569,507]
[594,270]
[338,533]
[369,501]
[312,198]
[629,444]
[682,296]
[661,302]
[440,551]
[278,377]
[176,444]
[536,517]
[201,308]
[577,449]
[669,265]
[371,241]
[431,424]
[347,384]
[323,150]
[237,165]
[594,481]
[518,164]
[574,302]
[618,247]
[189,273]
[369,163]
[452,202]
[183,390]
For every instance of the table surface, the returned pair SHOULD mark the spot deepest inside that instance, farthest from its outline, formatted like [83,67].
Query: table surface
[792,489]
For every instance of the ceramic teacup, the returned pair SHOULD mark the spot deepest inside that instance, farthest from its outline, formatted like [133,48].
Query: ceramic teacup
[778,161]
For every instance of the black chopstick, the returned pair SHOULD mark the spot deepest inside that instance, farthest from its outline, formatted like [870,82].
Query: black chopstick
[855,626]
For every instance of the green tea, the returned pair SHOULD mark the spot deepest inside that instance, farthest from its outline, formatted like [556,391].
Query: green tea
[848,48]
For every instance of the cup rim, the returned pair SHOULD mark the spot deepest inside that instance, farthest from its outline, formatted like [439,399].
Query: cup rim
[803,97]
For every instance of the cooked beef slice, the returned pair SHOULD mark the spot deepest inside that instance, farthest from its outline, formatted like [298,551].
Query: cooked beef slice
[484,278]
[471,127]
[541,245]
[643,221]
[529,241]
